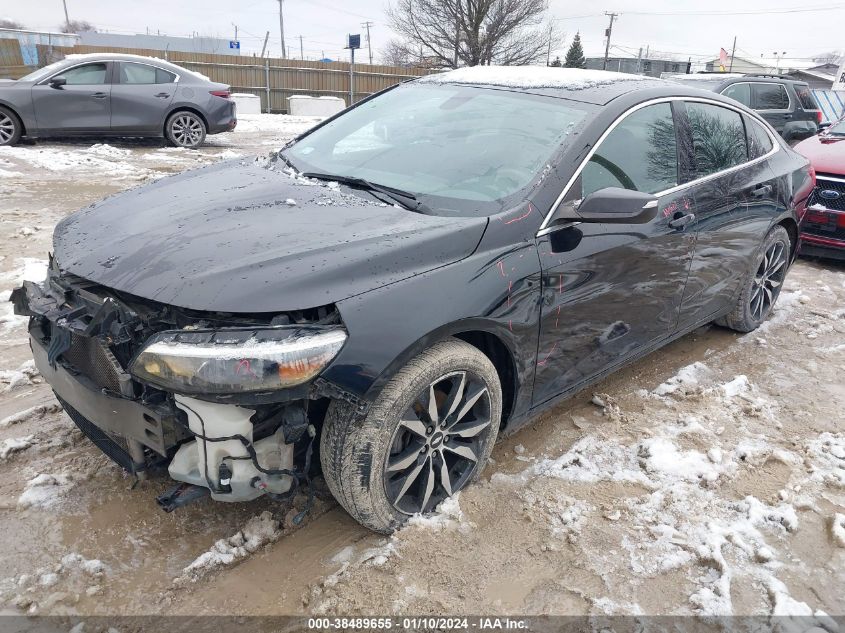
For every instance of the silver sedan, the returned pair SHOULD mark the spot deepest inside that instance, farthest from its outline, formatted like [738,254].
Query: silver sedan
[115,95]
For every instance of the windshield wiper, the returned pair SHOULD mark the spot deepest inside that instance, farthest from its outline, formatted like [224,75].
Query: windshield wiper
[397,195]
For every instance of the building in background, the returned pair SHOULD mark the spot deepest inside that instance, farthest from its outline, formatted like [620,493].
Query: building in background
[818,77]
[639,66]
[212,45]
[761,66]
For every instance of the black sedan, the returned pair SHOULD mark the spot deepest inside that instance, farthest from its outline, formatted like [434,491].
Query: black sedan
[408,279]
[115,95]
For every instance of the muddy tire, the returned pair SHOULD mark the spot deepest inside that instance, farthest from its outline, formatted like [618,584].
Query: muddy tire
[398,460]
[11,128]
[764,283]
[185,129]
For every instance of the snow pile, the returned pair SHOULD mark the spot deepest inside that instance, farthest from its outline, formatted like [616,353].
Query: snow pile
[107,151]
[528,77]
[26,374]
[105,162]
[827,456]
[837,529]
[447,515]
[44,491]
[685,381]
[258,531]
[36,412]
[14,445]
[47,587]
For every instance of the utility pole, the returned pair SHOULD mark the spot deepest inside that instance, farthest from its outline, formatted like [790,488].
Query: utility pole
[639,59]
[549,52]
[264,48]
[67,19]
[733,52]
[301,53]
[282,26]
[367,26]
[236,31]
[607,34]
[457,33]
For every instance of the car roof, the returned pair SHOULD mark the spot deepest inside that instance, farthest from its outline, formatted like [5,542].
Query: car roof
[718,81]
[124,57]
[597,87]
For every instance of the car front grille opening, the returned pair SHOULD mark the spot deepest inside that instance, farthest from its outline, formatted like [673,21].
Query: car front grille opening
[91,358]
[825,194]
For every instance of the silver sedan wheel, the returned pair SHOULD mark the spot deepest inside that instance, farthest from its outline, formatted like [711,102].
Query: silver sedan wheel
[7,128]
[768,280]
[186,130]
[435,449]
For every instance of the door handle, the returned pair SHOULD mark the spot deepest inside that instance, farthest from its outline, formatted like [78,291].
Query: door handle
[99,95]
[682,221]
[162,95]
[761,191]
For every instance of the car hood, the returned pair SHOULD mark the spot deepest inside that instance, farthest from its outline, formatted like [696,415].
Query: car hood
[826,153]
[242,237]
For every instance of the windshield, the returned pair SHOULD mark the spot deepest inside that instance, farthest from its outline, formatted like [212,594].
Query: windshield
[836,129]
[463,150]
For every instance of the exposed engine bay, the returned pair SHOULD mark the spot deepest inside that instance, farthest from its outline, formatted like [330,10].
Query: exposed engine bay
[225,418]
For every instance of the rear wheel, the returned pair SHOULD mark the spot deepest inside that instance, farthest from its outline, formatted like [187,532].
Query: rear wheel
[763,286]
[427,436]
[10,127]
[185,129]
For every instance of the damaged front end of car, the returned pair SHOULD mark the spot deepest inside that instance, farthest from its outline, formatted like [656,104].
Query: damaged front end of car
[227,402]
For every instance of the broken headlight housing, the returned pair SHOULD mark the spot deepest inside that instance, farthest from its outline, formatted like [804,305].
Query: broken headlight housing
[236,360]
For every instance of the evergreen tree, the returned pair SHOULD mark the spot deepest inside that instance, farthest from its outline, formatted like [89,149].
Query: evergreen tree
[575,55]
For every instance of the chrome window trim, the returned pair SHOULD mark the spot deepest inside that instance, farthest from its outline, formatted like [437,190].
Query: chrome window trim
[109,61]
[85,63]
[765,83]
[545,228]
[132,61]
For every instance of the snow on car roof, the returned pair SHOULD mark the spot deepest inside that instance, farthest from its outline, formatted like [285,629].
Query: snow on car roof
[528,77]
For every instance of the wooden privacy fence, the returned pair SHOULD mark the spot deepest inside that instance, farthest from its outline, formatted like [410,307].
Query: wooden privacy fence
[271,79]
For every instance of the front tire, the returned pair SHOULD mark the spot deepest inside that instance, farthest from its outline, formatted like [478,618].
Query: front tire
[185,129]
[764,283]
[10,127]
[428,435]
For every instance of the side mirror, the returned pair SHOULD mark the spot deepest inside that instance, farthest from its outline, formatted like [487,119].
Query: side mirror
[824,126]
[614,205]
[58,82]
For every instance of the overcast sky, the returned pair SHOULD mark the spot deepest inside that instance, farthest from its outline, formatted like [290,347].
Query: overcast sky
[667,26]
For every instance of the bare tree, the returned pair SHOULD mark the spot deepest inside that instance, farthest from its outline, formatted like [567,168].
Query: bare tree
[506,32]
[830,57]
[78,26]
[6,23]
[397,53]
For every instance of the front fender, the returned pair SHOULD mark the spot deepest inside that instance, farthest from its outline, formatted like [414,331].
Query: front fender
[494,290]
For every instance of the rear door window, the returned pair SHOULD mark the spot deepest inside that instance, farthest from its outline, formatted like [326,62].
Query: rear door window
[718,138]
[135,74]
[759,142]
[640,153]
[769,97]
[739,92]
[806,98]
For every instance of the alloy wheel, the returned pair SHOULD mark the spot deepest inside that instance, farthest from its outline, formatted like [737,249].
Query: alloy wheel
[7,128]
[768,280]
[435,448]
[186,130]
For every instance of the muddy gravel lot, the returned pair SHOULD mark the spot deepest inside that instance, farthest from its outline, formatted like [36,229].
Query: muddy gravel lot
[709,478]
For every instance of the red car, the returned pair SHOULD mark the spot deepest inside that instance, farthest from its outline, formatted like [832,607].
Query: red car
[823,225]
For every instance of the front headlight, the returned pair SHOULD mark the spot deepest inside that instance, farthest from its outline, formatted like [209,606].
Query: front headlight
[236,360]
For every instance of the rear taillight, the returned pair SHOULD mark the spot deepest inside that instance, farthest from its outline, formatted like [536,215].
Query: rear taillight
[225,94]
[819,117]
[812,171]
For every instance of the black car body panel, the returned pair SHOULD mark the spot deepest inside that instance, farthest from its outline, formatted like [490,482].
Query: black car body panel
[557,303]
[245,238]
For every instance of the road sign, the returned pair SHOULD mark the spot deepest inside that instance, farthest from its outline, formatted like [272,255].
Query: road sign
[235,44]
[353,41]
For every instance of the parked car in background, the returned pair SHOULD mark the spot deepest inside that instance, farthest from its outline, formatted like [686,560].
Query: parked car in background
[435,265]
[823,227]
[787,104]
[115,95]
